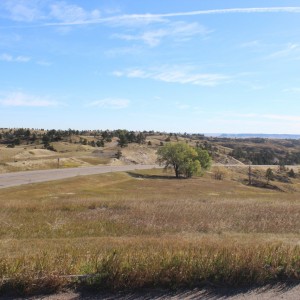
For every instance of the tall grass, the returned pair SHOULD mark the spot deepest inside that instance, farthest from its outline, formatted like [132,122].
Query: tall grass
[168,264]
[126,232]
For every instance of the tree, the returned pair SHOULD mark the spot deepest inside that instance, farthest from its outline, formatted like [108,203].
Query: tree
[269,175]
[123,141]
[183,158]
[140,138]
[291,173]
[100,143]
[119,154]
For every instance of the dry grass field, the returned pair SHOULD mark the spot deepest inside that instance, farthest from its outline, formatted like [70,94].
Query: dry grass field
[147,229]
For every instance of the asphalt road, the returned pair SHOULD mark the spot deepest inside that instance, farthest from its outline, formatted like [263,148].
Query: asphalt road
[27,177]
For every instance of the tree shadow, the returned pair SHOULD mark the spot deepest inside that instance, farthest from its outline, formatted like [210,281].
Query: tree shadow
[262,185]
[151,176]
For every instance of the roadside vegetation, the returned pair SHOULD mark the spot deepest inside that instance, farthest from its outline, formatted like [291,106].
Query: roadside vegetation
[147,229]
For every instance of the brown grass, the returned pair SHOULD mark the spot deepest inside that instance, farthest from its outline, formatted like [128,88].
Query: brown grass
[147,230]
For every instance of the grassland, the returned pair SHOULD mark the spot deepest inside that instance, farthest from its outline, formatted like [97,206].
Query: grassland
[147,229]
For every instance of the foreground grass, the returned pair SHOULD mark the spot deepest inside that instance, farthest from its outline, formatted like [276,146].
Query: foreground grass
[146,230]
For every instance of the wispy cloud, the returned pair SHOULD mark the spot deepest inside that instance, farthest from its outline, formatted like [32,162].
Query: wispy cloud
[234,10]
[131,50]
[9,58]
[288,118]
[133,19]
[289,50]
[182,106]
[44,63]
[22,99]
[176,74]
[292,90]
[278,117]
[175,30]
[251,44]
[64,14]
[23,10]
[69,13]
[113,103]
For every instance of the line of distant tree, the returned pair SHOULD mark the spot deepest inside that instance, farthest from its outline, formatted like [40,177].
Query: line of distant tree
[258,151]
[14,137]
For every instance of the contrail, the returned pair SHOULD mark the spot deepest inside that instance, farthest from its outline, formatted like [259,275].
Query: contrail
[233,10]
[160,17]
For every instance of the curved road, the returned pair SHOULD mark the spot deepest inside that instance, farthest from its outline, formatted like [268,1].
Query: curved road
[27,177]
[19,178]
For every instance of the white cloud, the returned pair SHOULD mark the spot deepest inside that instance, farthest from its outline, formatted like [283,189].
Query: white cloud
[118,73]
[292,90]
[9,58]
[283,118]
[182,106]
[234,10]
[67,13]
[131,50]
[289,50]
[72,14]
[114,103]
[6,57]
[288,118]
[23,10]
[133,20]
[22,59]
[175,30]
[251,44]
[145,19]
[176,74]
[22,99]
[44,63]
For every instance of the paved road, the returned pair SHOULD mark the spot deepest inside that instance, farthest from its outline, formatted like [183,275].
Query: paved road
[19,178]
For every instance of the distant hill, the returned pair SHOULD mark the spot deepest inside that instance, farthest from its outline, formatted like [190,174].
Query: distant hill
[256,135]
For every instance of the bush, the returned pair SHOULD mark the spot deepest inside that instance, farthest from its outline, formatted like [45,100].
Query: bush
[218,174]
[119,154]
[291,173]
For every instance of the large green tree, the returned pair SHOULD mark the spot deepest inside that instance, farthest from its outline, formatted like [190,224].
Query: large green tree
[184,159]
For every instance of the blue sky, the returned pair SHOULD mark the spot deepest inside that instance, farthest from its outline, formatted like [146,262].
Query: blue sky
[171,65]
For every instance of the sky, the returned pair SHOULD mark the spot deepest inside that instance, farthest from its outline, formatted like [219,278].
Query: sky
[196,66]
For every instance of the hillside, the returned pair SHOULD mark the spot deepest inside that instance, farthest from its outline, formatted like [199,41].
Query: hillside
[31,149]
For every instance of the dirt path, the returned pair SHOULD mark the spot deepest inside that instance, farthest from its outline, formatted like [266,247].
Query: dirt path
[19,178]
[278,292]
